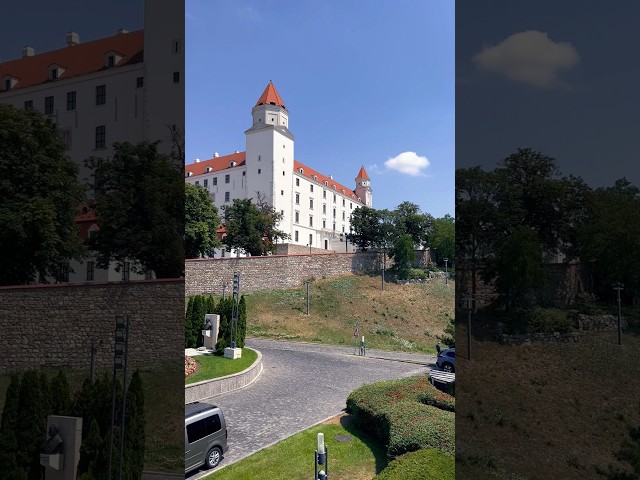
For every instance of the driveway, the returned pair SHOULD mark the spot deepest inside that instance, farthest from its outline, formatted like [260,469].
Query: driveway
[300,386]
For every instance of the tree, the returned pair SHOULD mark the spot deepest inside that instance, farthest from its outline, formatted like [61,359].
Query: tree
[449,337]
[403,255]
[140,210]
[252,226]
[134,435]
[60,395]
[40,195]
[30,424]
[224,309]
[201,222]
[410,221]
[610,238]
[189,340]
[242,321]
[8,440]
[443,239]
[365,223]
[90,450]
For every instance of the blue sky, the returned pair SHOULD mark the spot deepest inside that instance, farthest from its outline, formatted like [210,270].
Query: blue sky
[363,81]
[559,77]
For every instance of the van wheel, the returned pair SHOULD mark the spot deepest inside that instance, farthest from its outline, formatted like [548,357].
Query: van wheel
[447,367]
[213,457]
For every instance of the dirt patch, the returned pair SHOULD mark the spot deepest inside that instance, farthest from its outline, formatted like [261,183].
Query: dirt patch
[342,419]
[190,366]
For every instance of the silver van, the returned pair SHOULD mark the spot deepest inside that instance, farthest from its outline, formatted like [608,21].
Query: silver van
[205,435]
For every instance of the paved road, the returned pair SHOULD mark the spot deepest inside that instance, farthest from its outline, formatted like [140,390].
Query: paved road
[301,385]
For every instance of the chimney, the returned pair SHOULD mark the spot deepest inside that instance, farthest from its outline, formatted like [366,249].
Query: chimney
[28,51]
[197,160]
[122,30]
[72,39]
[215,155]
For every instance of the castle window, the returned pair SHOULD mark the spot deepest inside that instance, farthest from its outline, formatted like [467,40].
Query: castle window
[297,182]
[324,208]
[227,178]
[310,239]
[324,194]
[71,101]
[343,202]
[258,157]
[176,77]
[28,105]
[48,105]
[215,181]
[90,270]
[101,94]
[311,185]
[297,217]
[301,170]
[350,206]
[310,220]
[326,183]
[324,223]
[206,183]
[226,196]
[100,136]
[281,192]
[342,215]
[139,82]
[296,235]
[259,171]
[297,199]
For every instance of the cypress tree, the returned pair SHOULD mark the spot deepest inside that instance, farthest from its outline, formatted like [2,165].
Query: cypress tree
[8,441]
[60,397]
[90,450]
[197,319]
[242,321]
[30,424]
[224,309]
[134,429]
[188,329]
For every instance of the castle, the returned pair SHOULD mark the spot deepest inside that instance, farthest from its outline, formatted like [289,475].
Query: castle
[316,209]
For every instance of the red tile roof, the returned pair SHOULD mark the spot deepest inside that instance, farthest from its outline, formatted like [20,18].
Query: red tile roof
[216,164]
[362,173]
[310,173]
[222,163]
[270,96]
[80,59]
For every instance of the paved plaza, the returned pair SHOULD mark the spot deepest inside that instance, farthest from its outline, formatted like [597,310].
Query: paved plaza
[300,386]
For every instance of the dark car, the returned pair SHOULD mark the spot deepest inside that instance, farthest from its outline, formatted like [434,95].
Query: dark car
[447,359]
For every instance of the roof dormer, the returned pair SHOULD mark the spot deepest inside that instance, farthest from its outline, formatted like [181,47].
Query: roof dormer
[8,82]
[55,71]
[209,169]
[112,58]
[189,173]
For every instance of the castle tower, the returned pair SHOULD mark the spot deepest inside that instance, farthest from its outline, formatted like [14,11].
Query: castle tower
[363,187]
[269,154]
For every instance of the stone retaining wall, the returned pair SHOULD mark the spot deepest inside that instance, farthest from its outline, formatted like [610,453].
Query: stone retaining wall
[53,325]
[538,337]
[274,271]
[195,392]
[599,322]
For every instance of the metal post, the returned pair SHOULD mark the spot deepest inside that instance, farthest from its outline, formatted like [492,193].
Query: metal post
[446,271]
[619,286]
[307,283]
[384,264]
[124,395]
[469,298]
[93,361]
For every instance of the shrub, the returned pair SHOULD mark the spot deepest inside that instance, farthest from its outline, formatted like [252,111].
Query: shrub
[549,321]
[393,412]
[426,464]
[417,274]
[438,399]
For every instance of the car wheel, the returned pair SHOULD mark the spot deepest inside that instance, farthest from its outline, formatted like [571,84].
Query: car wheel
[447,367]
[213,457]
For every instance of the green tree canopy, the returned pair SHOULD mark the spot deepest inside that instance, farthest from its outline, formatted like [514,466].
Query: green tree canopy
[140,209]
[365,222]
[252,227]
[443,239]
[411,221]
[201,222]
[40,195]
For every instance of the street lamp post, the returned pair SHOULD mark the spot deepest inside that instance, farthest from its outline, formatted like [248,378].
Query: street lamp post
[469,301]
[307,282]
[446,271]
[619,286]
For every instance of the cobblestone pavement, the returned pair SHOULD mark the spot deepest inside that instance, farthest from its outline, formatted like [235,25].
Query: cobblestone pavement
[301,385]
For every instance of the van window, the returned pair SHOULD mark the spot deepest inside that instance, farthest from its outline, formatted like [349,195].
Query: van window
[202,428]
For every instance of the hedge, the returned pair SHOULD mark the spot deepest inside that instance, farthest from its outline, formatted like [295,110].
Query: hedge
[395,413]
[426,464]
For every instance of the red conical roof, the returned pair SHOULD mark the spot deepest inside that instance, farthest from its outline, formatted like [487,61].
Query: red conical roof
[362,173]
[270,96]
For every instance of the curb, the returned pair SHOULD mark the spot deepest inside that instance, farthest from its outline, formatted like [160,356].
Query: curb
[198,391]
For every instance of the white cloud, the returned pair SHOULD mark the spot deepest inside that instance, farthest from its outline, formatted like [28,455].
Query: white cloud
[529,57]
[409,163]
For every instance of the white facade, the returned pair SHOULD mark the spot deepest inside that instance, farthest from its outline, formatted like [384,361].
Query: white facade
[125,88]
[316,209]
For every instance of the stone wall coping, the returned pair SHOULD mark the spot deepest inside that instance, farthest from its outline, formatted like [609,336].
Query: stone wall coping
[274,256]
[255,365]
[89,284]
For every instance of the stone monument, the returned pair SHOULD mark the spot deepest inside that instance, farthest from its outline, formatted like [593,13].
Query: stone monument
[210,330]
[60,453]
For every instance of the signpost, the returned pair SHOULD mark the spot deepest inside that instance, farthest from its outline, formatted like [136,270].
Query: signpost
[356,332]
[619,286]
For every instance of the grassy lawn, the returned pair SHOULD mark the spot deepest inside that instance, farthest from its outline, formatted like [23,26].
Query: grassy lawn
[164,409]
[214,366]
[546,411]
[359,459]
[402,317]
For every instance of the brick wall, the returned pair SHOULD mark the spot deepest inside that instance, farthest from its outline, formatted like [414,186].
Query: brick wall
[274,271]
[55,324]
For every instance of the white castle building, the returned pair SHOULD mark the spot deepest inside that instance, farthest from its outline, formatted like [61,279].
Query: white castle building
[128,87]
[316,208]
